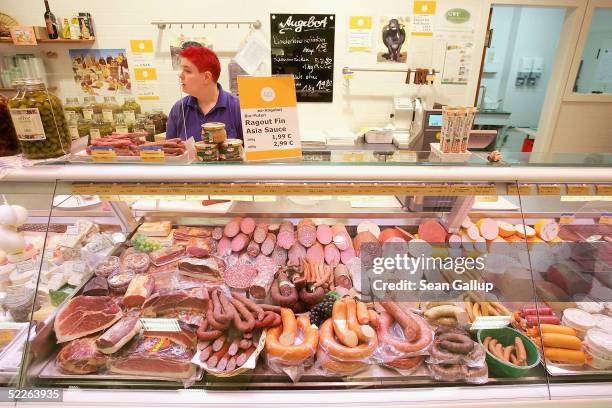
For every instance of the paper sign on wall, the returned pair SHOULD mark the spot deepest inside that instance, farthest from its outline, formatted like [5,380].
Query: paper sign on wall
[423,18]
[360,33]
[268,108]
[457,62]
[145,71]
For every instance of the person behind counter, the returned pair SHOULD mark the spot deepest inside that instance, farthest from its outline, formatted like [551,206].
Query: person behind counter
[206,102]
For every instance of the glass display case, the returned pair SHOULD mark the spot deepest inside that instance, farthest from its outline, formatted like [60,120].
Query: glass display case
[380,282]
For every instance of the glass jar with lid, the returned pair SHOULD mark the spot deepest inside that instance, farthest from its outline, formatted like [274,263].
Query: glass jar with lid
[121,125]
[90,107]
[150,128]
[160,119]
[110,108]
[73,108]
[83,127]
[99,128]
[8,139]
[130,109]
[73,127]
[40,124]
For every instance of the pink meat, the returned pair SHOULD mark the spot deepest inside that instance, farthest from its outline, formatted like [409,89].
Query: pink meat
[347,255]
[432,232]
[306,232]
[332,255]
[239,242]
[286,235]
[296,253]
[279,255]
[324,234]
[261,232]
[268,245]
[247,225]
[315,254]
[232,228]
[253,248]
[224,247]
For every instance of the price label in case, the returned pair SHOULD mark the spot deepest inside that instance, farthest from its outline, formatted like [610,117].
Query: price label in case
[578,190]
[152,154]
[606,218]
[604,189]
[549,189]
[103,154]
[567,218]
[521,189]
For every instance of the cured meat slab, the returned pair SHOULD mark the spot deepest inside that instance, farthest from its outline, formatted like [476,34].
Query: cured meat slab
[167,301]
[85,315]
[80,356]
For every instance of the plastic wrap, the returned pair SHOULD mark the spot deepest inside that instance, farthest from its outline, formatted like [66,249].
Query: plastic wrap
[455,346]
[389,336]
[167,255]
[459,372]
[107,266]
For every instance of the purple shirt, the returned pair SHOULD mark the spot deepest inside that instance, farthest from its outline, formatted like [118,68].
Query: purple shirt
[226,110]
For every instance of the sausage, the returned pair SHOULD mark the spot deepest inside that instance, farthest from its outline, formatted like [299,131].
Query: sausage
[260,233]
[324,234]
[243,357]
[340,324]
[247,225]
[269,244]
[245,344]
[332,255]
[365,332]
[315,254]
[373,317]
[553,328]
[338,367]
[341,352]
[293,354]
[565,356]
[561,341]
[224,246]
[306,232]
[286,235]
[234,346]
[221,311]
[207,335]
[411,328]
[217,233]
[213,322]
[252,306]
[534,311]
[239,242]
[389,233]
[219,343]
[287,337]
[270,308]
[547,230]
[535,320]
[214,359]
[296,254]
[383,330]
[284,301]
[521,353]
[253,249]
[311,297]
[507,351]
[456,343]
[369,226]
[365,237]
[347,255]
[205,353]
[486,341]
[457,312]
[405,363]
[231,364]
[489,229]
[270,319]
[454,241]
[232,228]
[341,237]
[432,232]
[242,312]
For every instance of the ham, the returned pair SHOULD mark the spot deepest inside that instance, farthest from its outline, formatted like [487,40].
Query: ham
[119,334]
[186,337]
[140,288]
[84,315]
[167,301]
[80,356]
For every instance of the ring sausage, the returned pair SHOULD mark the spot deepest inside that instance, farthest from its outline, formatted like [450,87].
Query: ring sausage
[285,301]
[364,332]
[213,322]
[384,335]
[340,324]
[405,363]
[252,306]
[294,353]
[341,352]
[221,309]
[411,329]
[456,343]
[241,313]
[207,335]
[287,337]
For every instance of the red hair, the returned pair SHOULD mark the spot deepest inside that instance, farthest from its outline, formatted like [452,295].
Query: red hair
[204,59]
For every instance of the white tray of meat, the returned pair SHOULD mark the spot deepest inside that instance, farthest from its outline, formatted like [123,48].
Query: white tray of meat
[128,147]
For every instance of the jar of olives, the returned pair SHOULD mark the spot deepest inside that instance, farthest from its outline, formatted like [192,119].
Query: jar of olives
[40,124]
[83,127]
[130,108]
[160,119]
[73,109]
[8,139]
[121,126]
[90,107]
[110,108]
[99,128]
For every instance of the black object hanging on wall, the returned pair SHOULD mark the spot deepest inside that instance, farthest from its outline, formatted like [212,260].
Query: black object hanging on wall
[303,45]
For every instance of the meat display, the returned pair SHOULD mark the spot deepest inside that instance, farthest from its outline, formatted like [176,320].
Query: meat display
[186,337]
[199,247]
[81,356]
[129,144]
[183,233]
[85,315]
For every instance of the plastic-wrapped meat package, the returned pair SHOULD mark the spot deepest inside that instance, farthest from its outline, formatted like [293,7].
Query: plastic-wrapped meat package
[199,247]
[167,255]
[393,344]
[136,261]
[455,346]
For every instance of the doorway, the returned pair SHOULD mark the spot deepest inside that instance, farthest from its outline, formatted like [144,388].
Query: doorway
[515,72]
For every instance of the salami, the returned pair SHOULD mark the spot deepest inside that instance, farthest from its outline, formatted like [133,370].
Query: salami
[279,255]
[346,256]
[432,232]
[306,232]
[266,269]
[247,225]
[253,248]
[240,275]
[217,233]
[286,235]
[296,254]
[315,254]
[260,233]
[239,242]
[269,244]
[324,234]
[232,228]
[332,255]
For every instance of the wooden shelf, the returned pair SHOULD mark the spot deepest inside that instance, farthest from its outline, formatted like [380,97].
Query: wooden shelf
[58,41]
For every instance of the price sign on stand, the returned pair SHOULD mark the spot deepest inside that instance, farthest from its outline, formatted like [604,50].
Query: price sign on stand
[103,154]
[152,154]
[268,108]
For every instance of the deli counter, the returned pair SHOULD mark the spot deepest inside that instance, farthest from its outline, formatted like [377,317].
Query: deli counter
[227,284]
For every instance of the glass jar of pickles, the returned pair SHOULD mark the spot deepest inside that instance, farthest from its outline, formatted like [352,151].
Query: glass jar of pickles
[83,127]
[230,150]
[121,125]
[213,132]
[99,128]
[8,139]
[110,108]
[159,118]
[78,128]
[130,109]
[90,107]
[40,124]
[73,108]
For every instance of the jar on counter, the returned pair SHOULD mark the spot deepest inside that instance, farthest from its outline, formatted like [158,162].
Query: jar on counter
[214,132]
[90,107]
[40,124]
[150,128]
[99,128]
[8,139]
[73,127]
[130,109]
[121,125]
[231,150]
[207,151]
[110,108]
[83,127]
[160,119]
[73,108]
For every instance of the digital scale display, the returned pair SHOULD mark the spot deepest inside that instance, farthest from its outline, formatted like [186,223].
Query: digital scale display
[434,120]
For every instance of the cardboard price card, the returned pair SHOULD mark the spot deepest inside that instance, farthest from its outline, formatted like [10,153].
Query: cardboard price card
[268,107]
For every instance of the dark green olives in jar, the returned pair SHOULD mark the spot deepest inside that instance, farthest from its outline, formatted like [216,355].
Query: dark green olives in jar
[39,121]
[8,139]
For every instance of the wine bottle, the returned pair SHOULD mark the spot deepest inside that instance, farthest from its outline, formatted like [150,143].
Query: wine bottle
[50,22]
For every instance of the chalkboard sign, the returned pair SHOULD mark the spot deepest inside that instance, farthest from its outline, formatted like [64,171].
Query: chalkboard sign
[303,45]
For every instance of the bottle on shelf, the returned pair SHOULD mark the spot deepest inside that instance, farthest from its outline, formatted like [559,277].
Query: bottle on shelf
[73,108]
[75,29]
[99,128]
[110,108]
[50,22]
[121,126]
[89,104]
[130,108]
[66,29]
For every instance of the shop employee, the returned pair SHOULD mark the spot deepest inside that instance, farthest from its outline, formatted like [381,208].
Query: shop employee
[206,102]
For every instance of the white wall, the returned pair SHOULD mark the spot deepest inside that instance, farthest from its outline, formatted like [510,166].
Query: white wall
[600,36]
[367,102]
